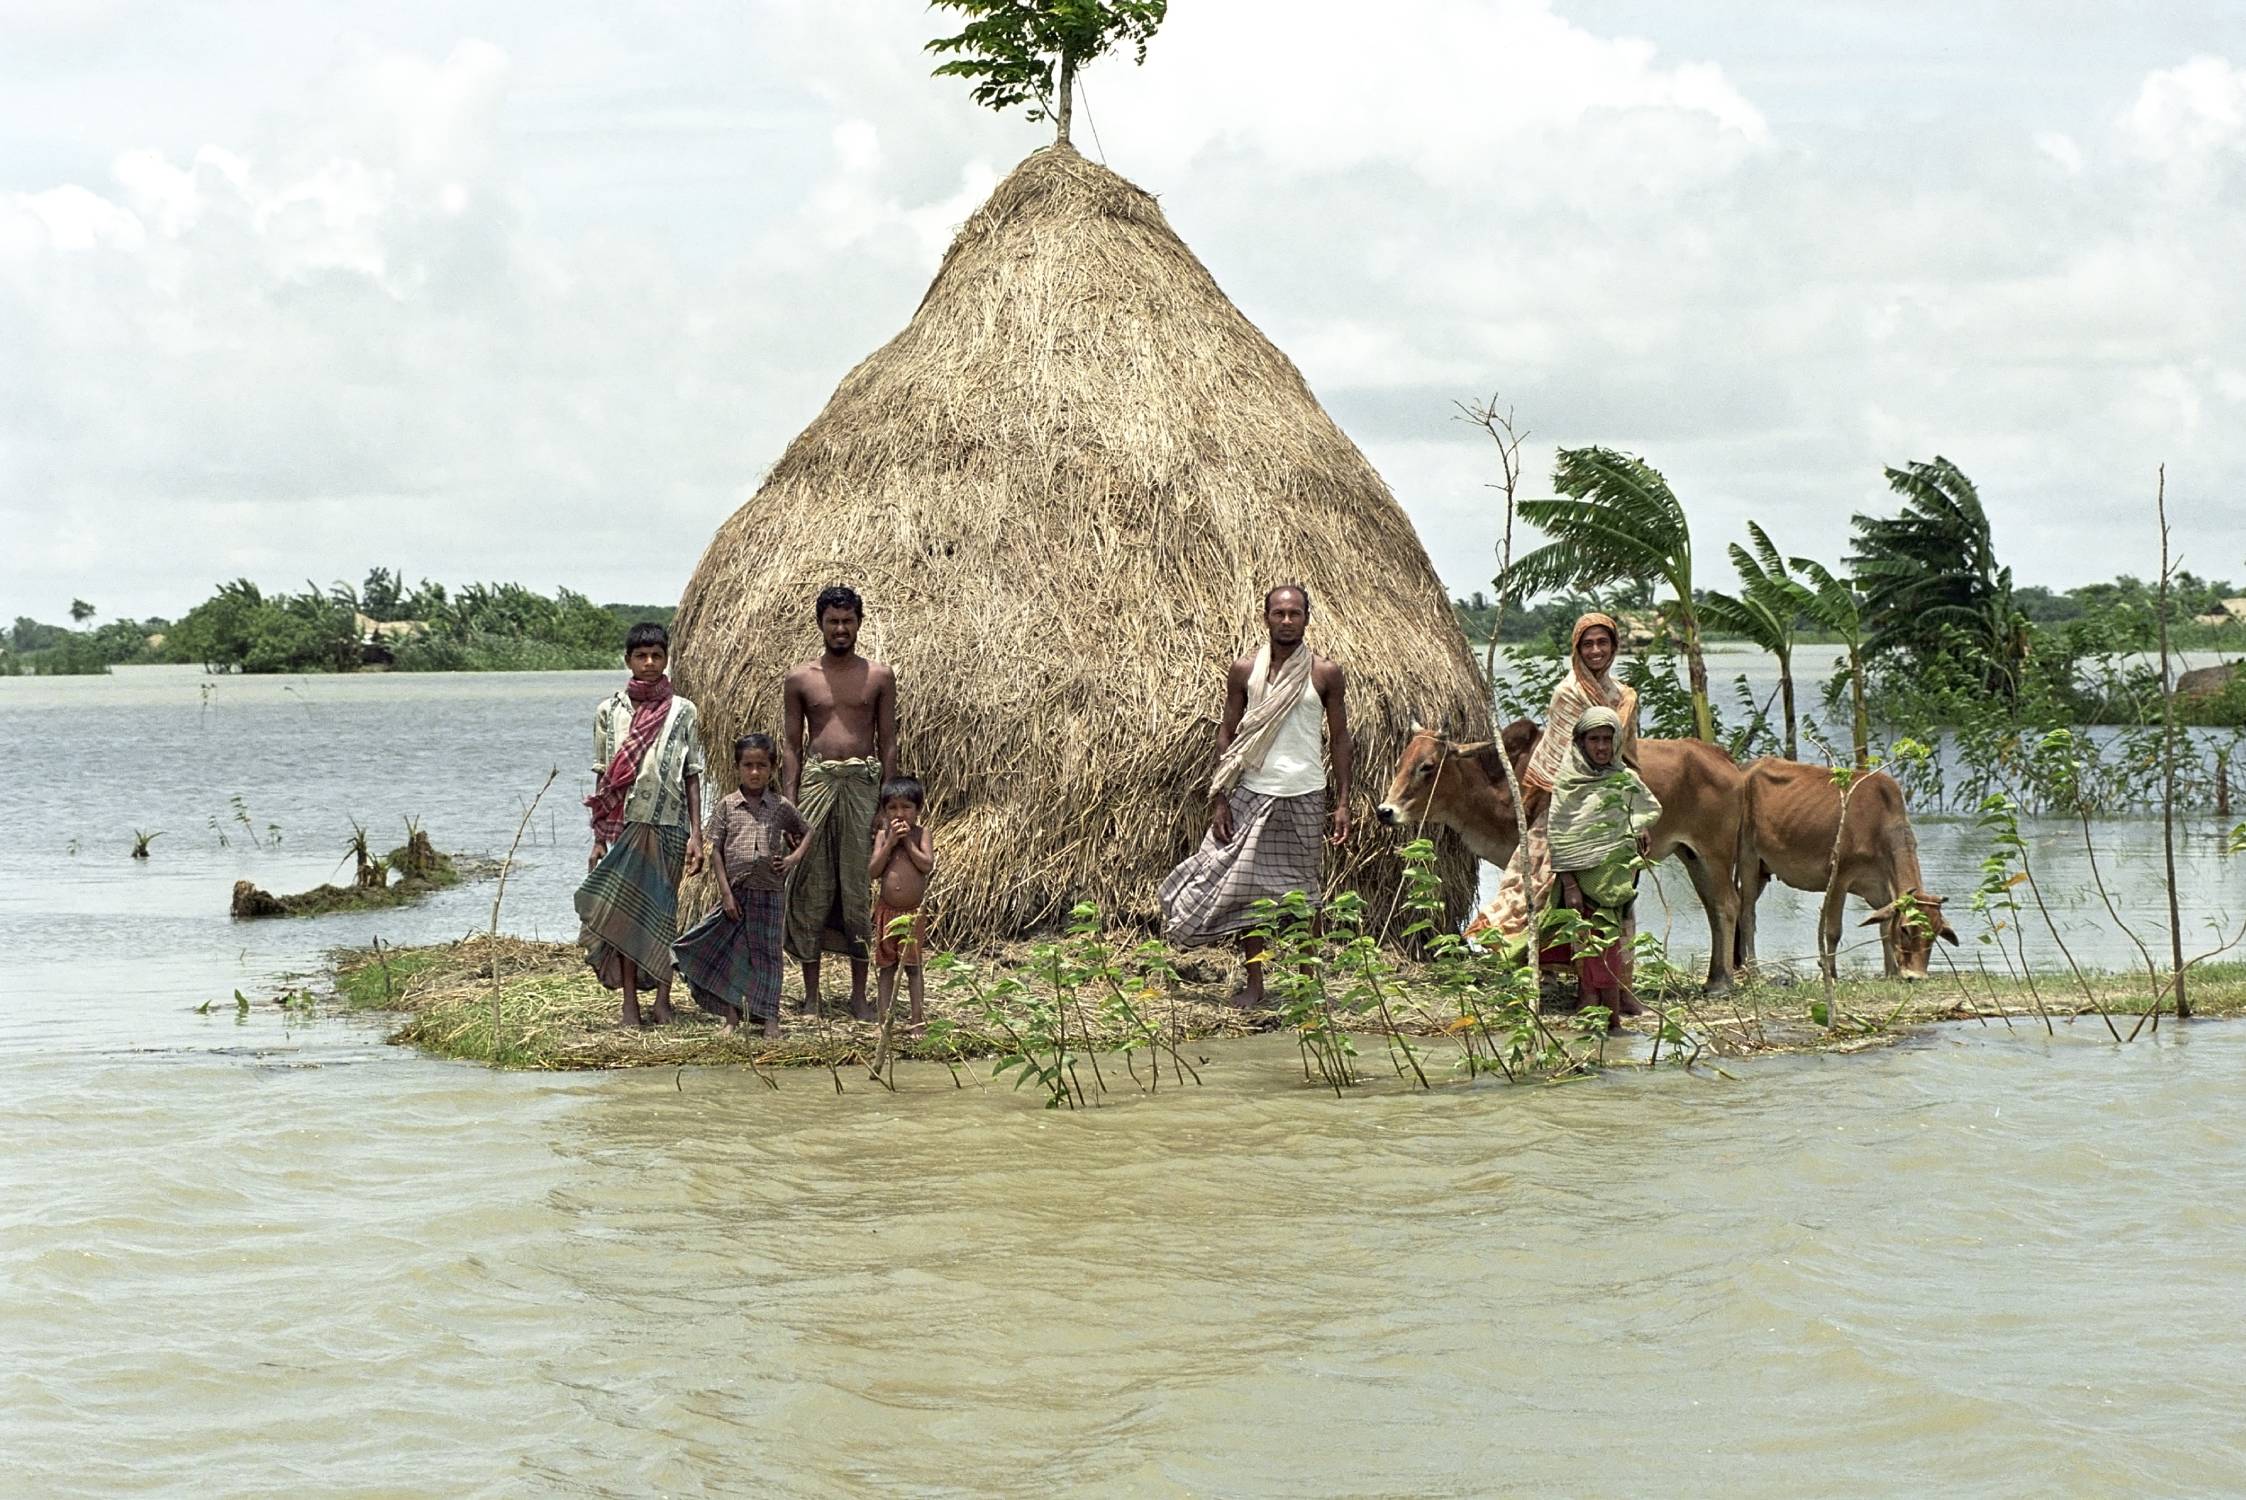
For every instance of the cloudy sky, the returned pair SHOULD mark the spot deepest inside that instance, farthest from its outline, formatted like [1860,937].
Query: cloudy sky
[536,292]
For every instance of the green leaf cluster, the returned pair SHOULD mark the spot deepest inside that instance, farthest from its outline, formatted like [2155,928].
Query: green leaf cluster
[1011,49]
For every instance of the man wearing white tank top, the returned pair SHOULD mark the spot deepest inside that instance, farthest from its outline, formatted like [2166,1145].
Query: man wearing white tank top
[1267,797]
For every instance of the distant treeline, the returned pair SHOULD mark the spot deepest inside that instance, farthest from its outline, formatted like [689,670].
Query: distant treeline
[2197,601]
[495,627]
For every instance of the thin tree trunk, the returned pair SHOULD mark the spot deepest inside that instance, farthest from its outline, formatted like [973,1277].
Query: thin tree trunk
[1786,698]
[1066,104]
[1696,672]
[2168,758]
[1863,717]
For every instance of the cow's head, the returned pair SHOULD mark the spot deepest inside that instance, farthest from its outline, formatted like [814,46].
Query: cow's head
[1444,784]
[1913,922]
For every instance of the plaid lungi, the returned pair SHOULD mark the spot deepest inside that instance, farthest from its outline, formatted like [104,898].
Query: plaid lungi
[629,904]
[736,963]
[830,895]
[1276,848]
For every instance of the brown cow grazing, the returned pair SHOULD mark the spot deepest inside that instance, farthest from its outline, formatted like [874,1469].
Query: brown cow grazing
[1789,817]
[1462,787]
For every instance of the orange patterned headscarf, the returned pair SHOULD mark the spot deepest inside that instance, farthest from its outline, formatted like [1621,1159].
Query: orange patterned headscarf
[1581,689]
[1598,687]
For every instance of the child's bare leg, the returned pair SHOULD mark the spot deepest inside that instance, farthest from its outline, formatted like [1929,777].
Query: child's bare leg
[885,992]
[811,1000]
[630,1016]
[664,1015]
[858,1006]
[728,1016]
[913,982]
[1251,989]
[772,1024]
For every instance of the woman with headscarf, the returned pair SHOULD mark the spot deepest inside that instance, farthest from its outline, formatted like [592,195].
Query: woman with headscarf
[1525,888]
[1601,813]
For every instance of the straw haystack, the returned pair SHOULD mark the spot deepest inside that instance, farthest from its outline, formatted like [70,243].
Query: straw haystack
[1062,490]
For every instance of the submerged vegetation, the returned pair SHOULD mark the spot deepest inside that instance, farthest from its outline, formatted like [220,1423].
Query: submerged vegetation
[419,866]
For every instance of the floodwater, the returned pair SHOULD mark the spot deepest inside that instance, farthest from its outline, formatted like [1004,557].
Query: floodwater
[257,1255]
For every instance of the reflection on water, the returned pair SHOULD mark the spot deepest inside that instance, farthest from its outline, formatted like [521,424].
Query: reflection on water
[259,1257]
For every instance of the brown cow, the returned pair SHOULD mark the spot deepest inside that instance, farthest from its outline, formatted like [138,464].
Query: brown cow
[1789,817]
[1462,788]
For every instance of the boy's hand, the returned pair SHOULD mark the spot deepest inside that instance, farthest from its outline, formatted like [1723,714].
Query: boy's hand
[899,829]
[732,906]
[600,852]
[694,855]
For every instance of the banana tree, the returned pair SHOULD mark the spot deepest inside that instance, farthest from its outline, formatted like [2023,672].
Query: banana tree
[1617,519]
[1833,607]
[1767,610]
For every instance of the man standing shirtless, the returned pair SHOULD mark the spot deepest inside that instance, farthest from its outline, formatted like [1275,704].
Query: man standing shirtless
[848,707]
[1267,798]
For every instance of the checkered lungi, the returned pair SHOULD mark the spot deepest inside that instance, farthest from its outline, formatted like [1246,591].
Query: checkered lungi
[1277,846]
[736,963]
[629,904]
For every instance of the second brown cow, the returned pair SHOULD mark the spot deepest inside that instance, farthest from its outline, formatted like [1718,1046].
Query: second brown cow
[1789,826]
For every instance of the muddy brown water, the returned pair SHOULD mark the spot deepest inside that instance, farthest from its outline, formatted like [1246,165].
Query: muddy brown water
[259,1255]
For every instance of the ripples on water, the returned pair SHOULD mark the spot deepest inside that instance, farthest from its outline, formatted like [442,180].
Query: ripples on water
[275,1258]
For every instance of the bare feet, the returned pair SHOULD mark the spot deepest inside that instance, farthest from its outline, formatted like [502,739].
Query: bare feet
[772,1027]
[629,1017]
[729,1027]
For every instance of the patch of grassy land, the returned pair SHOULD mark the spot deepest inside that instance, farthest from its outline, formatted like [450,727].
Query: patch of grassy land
[1789,1015]
[553,1014]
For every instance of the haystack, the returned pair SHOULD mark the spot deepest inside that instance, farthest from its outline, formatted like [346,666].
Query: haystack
[1062,490]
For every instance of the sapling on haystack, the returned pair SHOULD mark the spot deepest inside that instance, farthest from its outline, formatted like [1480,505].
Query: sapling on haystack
[1029,51]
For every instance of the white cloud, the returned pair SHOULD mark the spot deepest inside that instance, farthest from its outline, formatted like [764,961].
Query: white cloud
[2188,111]
[459,305]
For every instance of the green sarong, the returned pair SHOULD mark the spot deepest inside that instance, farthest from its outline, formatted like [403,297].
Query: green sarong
[830,895]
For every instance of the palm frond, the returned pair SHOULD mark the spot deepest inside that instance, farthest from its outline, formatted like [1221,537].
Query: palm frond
[1746,615]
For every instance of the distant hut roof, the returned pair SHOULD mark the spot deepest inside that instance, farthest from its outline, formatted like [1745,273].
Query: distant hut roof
[1063,489]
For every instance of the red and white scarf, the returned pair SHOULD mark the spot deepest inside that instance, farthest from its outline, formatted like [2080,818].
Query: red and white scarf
[651,707]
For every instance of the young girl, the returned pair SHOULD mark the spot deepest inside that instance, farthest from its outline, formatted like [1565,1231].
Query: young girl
[1600,817]
[731,958]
